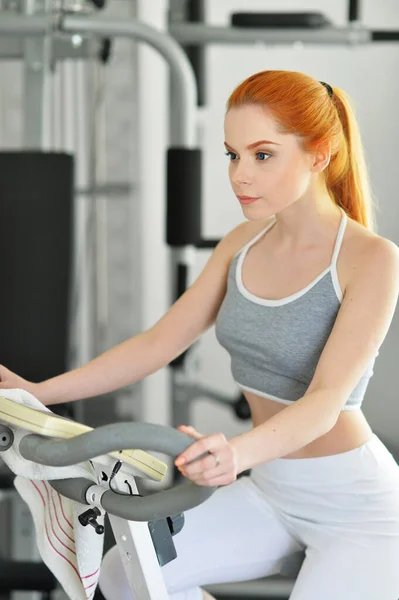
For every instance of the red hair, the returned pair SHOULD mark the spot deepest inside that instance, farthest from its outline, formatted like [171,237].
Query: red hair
[302,105]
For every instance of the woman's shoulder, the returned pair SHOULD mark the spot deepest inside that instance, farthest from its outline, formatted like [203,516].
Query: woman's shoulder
[236,239]
[360,241]
[362,246]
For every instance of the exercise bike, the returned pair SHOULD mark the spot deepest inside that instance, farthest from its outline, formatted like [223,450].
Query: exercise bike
[143,526]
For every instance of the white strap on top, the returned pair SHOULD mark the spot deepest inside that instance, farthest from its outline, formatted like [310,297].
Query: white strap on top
[340,237]
[337,248]
[253,240]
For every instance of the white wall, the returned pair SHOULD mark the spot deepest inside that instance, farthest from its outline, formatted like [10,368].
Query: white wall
[369,75]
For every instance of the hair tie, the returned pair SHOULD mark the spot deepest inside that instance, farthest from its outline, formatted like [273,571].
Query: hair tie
[328,88]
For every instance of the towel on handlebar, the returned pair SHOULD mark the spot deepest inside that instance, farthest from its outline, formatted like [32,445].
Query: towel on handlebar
[72,552]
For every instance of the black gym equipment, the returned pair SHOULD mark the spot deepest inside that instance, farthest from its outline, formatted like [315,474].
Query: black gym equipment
[36,201]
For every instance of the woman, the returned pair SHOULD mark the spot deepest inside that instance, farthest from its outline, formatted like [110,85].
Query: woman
[302,294]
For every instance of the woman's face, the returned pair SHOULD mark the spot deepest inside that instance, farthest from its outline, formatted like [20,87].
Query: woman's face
[268,170]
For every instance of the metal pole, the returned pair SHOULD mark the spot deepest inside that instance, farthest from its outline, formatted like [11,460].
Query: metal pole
[183,87]
[193,34]
[37,77]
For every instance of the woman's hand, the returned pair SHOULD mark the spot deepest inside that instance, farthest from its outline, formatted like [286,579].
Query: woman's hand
[10,380]
[220,467]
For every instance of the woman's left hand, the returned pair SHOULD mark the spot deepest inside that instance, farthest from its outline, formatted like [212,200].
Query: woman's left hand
[220,467]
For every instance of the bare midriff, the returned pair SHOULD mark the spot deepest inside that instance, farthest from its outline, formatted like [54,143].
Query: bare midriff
[349,432]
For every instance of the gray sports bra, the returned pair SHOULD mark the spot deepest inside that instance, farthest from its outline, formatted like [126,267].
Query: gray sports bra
[275,345]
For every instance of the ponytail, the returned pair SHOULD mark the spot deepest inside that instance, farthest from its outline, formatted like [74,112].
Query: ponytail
[347,176]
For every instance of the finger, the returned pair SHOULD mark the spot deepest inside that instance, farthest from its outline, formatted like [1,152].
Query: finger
[207,443]
[197,455]
[190,431]
[208,463]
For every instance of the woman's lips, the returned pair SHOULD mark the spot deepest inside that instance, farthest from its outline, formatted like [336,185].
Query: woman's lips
[247,199]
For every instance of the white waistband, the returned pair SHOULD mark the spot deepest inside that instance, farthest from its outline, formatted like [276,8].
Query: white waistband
[282,400]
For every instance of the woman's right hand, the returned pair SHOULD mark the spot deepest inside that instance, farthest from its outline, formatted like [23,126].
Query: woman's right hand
[10,380]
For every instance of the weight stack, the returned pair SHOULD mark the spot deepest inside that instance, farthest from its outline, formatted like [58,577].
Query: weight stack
[36,211]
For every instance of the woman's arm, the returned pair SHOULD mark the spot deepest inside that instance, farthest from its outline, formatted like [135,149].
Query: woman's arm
[294,427]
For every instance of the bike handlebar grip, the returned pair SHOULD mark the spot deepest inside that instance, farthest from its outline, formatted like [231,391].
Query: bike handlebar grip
[104,439]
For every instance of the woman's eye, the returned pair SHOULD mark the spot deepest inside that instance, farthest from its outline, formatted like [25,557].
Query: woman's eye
[263,155]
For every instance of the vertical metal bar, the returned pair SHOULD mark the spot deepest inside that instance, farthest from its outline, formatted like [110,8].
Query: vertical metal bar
[77,80]
[55,109]
[135,545]
[139,559]
[196,53]
[135,247]
[98,153]
[182,260]
[37,90]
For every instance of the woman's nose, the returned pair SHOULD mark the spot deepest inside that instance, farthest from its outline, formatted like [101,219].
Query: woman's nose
[241,173]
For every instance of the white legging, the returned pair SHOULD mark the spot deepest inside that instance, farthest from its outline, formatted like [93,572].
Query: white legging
[333,519]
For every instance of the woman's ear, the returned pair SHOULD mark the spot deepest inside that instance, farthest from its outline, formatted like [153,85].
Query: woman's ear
[321,158]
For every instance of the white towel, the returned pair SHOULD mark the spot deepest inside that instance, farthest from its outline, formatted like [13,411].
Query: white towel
[72,552]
